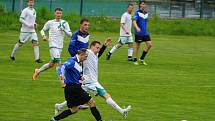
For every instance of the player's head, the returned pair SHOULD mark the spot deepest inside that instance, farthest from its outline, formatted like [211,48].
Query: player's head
[130,8]
[30,3]
[82,54]
[142,5]
[84,25]
[95,46]
[58,13]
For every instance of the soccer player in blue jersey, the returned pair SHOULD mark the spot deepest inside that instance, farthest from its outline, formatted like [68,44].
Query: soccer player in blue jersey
[74,94]
[80,38]
[141,33]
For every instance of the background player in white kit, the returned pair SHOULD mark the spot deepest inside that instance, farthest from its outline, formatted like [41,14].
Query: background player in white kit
[57,29]
[125,34]
[90,74]
[28,20]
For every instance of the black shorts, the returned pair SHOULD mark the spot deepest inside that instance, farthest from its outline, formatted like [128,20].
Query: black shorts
[139,39]
[75,95]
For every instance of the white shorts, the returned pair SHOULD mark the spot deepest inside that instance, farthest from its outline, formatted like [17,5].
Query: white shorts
[94,88]
[125,40]
[55,54]
[25,36]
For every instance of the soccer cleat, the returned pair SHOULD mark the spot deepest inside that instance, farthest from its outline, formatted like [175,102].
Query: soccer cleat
[52,119]
[38,61]
[125,111]
[108,56]
[57,109]
[36,74]
[12,58]
[130,59]
[83,107]
[143,62]
[136,63]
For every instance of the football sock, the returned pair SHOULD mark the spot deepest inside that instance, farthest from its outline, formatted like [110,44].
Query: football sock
[112,103]
[36,52]
[63,104]
[44,67]
[130,51]
[63,115]
[143,55]
[96,113]
[14,49]
[115,47]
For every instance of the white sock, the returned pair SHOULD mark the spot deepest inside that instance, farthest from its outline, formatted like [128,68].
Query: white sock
[114,49]
[44,67]
[36,52]
[112,103]
[16,46]
[130,51]
[63,104]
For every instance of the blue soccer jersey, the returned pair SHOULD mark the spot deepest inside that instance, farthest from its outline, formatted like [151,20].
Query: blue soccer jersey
[78,40]
[141,18]
[71,70]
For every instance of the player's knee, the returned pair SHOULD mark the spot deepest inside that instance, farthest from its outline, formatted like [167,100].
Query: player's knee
[149,46]
[35,43]
[92,103]
[73,110]
[51,64]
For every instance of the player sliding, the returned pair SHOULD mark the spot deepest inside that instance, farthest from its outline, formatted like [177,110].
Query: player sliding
[125,34]
[74,94]
[90,74]
[57,29]
[28,20]
[141,33]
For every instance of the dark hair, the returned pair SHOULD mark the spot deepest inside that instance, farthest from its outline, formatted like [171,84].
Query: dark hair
[82,51]
[130,4]
[142,1]
[84,20]
[93,43]
[58,9]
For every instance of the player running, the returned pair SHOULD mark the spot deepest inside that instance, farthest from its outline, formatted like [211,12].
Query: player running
[141,33]
[74,94]
[125,34]
[90,74]
[57,29]
[28,20]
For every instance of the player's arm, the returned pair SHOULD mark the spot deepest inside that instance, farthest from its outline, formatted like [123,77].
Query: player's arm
[60,73]
[45,28]
[136,16]
[106,43]
[122,23]
[23,21]
[67,30]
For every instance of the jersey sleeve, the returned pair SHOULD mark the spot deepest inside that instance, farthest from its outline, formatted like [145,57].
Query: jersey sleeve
[45,28]
[23,17]
[136,16]
[69,64]
[67,30]
[123,19]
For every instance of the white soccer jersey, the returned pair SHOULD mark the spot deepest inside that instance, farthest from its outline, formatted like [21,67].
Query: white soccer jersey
[90,68]
[127,21]
[28,18]
[56,35]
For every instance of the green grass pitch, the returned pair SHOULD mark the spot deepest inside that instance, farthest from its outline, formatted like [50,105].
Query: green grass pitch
[178,83]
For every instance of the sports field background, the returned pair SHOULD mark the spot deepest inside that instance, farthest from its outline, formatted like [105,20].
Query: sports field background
[178,83]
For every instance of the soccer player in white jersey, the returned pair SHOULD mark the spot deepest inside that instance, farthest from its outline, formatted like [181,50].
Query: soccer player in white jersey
[90,75]
[57,29]
[28,20]
[125,34]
